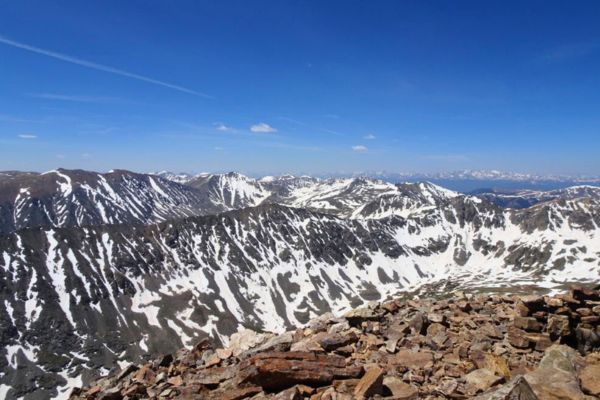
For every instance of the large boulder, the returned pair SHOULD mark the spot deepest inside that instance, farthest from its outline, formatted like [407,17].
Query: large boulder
[516,389]
[281,370]
[556,376]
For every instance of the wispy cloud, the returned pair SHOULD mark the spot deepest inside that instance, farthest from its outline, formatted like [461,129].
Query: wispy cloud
[76,98]
[370,136]
[261,127]
[359,148]
[99,67]
[27,136]
[223,128]
[10,118]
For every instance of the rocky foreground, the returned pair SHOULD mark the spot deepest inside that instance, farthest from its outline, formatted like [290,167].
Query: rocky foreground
[489,347]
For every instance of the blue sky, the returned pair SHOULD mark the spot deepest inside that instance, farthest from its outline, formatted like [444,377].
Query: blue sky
[300,86]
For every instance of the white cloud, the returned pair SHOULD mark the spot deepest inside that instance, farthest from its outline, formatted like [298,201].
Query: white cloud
[218,148]
[222,127]
[370,136]
[27,136]
[359,148]
[261,127]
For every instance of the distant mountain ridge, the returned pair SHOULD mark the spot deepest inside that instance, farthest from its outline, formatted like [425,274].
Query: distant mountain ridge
[165,264]
[397,177]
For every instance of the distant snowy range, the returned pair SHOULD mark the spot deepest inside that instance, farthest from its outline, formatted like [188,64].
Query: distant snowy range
[104,269]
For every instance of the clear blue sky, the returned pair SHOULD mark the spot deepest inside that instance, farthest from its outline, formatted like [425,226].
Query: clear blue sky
[300,86]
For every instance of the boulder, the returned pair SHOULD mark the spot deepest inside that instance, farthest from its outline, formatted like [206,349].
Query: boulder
[516,389]
[555,378]
[281,370]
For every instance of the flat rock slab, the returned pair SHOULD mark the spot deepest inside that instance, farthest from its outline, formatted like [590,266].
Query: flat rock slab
[281,370]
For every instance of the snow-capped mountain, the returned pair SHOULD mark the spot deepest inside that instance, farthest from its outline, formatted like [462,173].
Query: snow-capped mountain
[63,198]
[87,289]
[528,198]
[66,198]
[181,177]
[230,191]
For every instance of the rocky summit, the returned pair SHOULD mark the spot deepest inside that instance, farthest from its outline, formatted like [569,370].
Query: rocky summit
[487,347]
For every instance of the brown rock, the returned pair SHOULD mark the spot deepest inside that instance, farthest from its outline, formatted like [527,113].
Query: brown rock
[224,354]
[589,377]
[491,331]
[417,322]
[435,328]
[359,315]
[516,337]
[134,389]
[412,359]
[533,301]
[464,305]
[399,389]
[329,342]
[93,390]
[390,307]
[126,371]
[521,309]
[436,318]
[238,393]
[558,325]
[145,375]
[370,384]
[587,339]
[282,370]
[448,387]
[212,376]
[584,312]
[555,377]
[527,323]
[175,380]
[554,302]
[497,365]
[590,319]
[517,389]
[542,340]
[481,380]
[289,394]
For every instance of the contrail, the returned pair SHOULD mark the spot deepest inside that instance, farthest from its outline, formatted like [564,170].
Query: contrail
[99,67]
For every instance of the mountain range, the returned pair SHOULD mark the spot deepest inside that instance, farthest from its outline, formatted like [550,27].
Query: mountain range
[104,269]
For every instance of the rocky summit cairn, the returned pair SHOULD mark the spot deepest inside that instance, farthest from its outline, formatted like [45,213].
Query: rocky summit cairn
[489,347]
